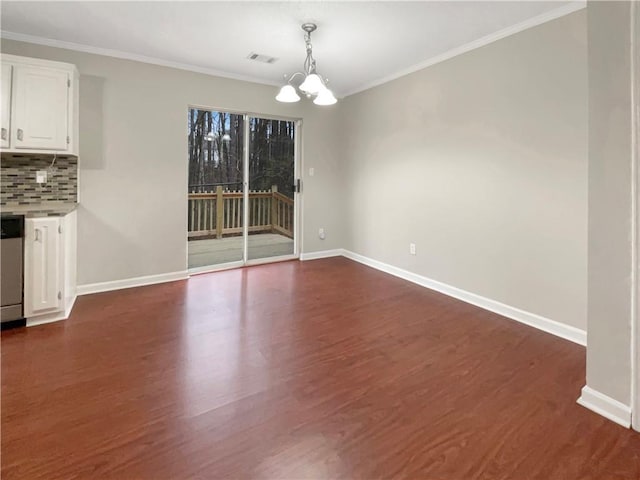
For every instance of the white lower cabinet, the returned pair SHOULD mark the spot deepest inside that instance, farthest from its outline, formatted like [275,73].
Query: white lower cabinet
[49,279]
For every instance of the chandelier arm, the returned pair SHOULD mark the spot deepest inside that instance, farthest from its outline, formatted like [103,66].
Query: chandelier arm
[293,75]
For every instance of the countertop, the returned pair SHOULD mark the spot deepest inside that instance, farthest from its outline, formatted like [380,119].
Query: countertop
[46,209]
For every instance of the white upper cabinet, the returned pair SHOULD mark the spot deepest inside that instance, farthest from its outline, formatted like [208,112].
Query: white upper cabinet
[39,106]
[6,104]
[40,113]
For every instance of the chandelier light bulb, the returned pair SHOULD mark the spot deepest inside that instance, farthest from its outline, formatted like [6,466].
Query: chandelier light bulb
[288,94]
[325,97]
[312,84]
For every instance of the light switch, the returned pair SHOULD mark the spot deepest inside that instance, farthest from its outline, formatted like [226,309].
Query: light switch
[312,171]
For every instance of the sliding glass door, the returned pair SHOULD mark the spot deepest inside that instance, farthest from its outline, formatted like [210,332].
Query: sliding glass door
[241,205]
[271,172]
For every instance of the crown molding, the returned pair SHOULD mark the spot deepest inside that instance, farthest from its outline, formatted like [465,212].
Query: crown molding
[78,47]
[481,42]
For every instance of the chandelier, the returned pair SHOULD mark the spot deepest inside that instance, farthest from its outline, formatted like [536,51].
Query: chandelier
[313,85]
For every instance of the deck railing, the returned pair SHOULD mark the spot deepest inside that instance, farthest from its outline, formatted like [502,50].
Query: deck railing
[220,213]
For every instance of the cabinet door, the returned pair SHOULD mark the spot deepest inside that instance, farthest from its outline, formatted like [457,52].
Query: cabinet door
[44,263]
[40,109]
[6,104]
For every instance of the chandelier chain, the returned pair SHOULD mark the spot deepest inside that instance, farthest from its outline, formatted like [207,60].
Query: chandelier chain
[310,62]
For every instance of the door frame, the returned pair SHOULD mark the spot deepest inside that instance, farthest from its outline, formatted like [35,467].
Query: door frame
[297,210]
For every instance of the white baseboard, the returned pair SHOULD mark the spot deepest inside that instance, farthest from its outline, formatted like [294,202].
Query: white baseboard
[321,254]
[562,330]
[69,306]
[606,406]
[48,318]
[556,328]
[131,282]
[53,317]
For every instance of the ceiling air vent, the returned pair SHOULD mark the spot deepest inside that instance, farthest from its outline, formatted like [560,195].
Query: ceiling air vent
[261,58]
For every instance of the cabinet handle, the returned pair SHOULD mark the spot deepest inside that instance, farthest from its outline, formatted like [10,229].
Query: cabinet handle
[37,234]
[20,134]
[4,134]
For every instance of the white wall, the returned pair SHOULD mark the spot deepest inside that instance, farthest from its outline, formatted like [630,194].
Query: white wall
[133,161]
[610,200]
[482,162]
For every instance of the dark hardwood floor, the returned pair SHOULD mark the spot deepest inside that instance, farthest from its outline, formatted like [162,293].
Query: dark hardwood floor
[323,369]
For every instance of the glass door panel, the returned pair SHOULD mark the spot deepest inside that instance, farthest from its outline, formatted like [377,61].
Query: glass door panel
[215,208]
[271,198]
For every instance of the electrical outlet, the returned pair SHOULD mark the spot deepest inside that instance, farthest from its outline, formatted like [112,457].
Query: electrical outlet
[312,172]
[412,248]
[41,176]
[321,233]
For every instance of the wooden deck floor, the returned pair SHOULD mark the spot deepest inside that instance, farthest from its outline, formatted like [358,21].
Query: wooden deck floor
[321,369]
[203,253]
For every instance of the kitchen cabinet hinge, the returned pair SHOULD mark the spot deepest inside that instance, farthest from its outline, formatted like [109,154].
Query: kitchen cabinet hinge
[59,228]
[68,83]
[68,140]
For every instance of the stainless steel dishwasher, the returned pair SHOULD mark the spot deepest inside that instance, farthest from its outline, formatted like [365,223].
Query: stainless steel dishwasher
[11,270]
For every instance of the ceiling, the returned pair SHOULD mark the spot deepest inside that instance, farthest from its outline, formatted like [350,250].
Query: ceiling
[357,44]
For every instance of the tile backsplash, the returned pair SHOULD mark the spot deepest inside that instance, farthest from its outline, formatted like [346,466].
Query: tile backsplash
[18,184]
